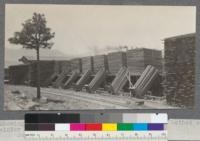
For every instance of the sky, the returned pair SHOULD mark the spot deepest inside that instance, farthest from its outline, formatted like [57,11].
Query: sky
[83,30]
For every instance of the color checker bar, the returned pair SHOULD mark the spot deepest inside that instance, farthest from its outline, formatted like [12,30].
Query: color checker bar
[111,122]
[96,127]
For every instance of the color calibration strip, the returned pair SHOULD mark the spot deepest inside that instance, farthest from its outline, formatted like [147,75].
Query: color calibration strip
[109,122]
[104,127]
[95,127]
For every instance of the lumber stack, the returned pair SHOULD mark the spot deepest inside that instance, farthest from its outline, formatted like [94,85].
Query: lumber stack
[46,71]
[97,80]
[76,65]
[138,59]
[119,81]
[100,62]
[145,81]
[154,58]
[65,66]
[179,84]
[18,74]
[60,66]
[157,89]
[116,60]
[6,74]
[87,64]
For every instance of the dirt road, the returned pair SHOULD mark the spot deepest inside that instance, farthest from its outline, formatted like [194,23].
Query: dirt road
[21,98]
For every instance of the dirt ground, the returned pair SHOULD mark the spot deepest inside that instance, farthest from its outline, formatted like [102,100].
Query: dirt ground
[23,98]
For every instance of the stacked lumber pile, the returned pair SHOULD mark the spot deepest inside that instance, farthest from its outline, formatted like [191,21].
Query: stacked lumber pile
[157,89]
[145,81]
[179,84]
[100,62]
[138,59]
[18,74]
[57,67]
[97,80]
[119,81]
[61,66]
[116,60]
[46,71]
[87,64]
[154,58]
[76,65]
[6,74]
[65,66]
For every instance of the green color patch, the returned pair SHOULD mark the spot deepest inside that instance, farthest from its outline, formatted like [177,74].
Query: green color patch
[124,126]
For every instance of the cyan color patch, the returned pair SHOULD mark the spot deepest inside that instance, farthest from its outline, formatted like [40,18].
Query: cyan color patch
[140,126]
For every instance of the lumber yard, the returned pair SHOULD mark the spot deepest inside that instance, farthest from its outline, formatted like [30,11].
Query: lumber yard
[141,73]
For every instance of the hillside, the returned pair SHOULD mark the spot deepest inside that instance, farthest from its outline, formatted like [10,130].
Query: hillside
[12,55]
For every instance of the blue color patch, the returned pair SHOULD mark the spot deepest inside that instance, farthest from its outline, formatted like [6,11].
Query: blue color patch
[140,126]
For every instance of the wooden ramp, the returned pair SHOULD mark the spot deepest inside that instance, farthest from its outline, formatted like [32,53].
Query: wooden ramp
[145,81]
[81,82]
[58,82]
[71,79]
[97,80]
[120,80]
[52,79]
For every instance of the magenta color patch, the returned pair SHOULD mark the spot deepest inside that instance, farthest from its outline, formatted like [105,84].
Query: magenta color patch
[77,127]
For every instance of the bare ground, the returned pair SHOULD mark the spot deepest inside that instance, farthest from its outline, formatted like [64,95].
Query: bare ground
[23,98]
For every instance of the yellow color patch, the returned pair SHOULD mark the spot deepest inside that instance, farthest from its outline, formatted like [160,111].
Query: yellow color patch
[109,127]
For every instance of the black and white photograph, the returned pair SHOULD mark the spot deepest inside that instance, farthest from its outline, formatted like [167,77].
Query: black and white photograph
[93,57]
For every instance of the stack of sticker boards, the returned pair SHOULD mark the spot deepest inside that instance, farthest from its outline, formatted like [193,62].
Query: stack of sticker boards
[116,60]
[179,84]
[138,59]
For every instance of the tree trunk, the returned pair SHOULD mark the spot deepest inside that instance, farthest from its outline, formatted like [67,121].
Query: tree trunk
[38,73]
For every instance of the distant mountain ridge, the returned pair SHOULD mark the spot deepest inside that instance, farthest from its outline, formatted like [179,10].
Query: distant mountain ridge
[12,56]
